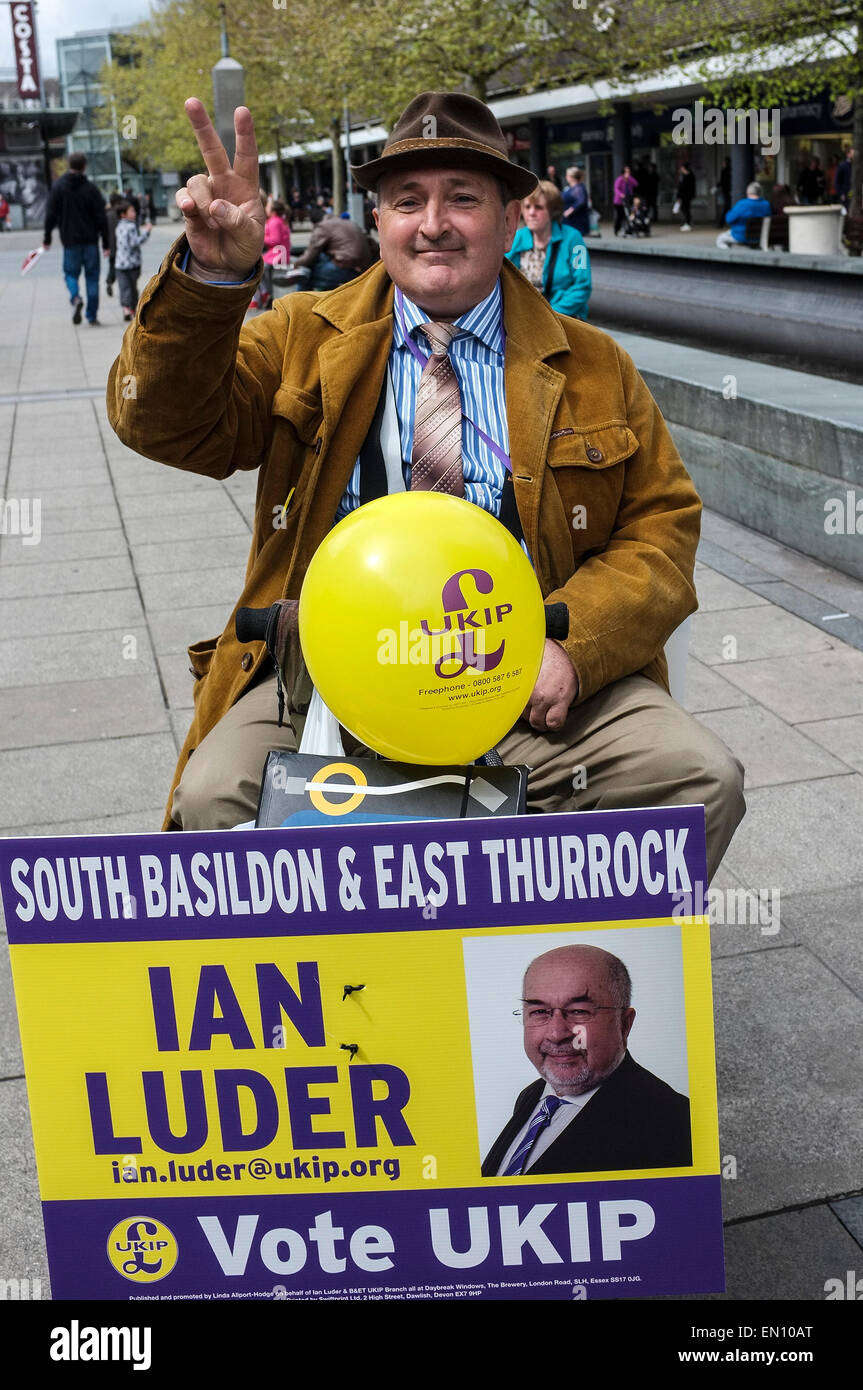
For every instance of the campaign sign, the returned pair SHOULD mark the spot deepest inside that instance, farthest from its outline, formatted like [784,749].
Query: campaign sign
[454,1059]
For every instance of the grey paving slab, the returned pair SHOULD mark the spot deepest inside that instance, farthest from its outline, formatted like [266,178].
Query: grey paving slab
[77,711]
[706,689]
[214,553]
[159,479]
[801,688]
[758,633]
[787,1257]
[824,616]
[731,565]
[788,1039]
[25,617]
[744,919]
[35,467]
[145,822]
[716,592]
[104,516]
[179,590]
[771,750]
[837,590]
[850,1213]
[843,737]
[83,781]
[803,837]
[85,494]
[22,1240]
[69,577]
[177,679]
[175,630]
[212,498]
[829,923]
[59,547]
[11,1062]
[184,526]
[181,720]
[76,656]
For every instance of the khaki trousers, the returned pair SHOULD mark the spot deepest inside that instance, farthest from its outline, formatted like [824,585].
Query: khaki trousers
[627,746]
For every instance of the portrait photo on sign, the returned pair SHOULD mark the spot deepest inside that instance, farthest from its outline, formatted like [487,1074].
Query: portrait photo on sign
[578,1044]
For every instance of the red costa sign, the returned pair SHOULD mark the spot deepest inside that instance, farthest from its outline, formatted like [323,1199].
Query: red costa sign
[26,57]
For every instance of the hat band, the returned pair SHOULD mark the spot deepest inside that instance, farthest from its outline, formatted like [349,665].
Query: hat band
[443,143]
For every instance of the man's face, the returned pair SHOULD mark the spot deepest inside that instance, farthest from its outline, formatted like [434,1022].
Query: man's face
[573,1057]
[443,234]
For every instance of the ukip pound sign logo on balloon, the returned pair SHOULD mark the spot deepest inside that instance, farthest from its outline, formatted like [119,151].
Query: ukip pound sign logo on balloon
[456,609]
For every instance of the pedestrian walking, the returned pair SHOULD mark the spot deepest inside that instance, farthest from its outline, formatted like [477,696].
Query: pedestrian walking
[553,176]
[723,192]
[77,209]
[4,214]
[650,190]
[114,201]
[624,187]
[129,238]
[277,247]
[812,184]
[576,202]
[552,255]
[684,195]
[843,178]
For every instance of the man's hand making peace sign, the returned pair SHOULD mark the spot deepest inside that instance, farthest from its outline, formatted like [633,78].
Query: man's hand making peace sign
[224,219]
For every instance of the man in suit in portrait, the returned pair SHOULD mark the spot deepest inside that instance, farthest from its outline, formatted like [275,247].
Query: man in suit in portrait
[594,1108]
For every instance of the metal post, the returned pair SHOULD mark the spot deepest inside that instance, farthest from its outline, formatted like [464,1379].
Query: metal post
[229,90]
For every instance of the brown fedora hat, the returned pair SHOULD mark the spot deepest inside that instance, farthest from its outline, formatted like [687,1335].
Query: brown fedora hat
[447,128]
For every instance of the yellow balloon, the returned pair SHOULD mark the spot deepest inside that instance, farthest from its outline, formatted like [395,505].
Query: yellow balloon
[422,626]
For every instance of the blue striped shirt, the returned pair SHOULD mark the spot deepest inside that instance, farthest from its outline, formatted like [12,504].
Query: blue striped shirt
[477,358]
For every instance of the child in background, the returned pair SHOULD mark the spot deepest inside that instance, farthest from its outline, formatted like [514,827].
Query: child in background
[127,261]
[637,219]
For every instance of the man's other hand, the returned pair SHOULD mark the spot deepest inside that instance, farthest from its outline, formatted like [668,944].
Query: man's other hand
[556,688]
[222,211]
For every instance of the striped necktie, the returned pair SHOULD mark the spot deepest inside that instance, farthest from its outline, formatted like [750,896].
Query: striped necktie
[540,1121]
[436,456]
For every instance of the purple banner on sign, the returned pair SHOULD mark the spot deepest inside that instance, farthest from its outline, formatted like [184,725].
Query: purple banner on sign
[560,1241]
[587,867]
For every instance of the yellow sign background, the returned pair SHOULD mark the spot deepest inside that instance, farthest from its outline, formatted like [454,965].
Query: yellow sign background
[87,1008]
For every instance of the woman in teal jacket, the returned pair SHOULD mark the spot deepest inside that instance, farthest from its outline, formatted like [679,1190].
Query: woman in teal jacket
[552,256]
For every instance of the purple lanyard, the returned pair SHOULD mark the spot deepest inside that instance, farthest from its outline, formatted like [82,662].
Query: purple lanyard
[498,452]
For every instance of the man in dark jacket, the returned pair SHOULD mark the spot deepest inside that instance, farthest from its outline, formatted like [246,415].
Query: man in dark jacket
[843,178]
[77,209]
[338,250]
[594,1109]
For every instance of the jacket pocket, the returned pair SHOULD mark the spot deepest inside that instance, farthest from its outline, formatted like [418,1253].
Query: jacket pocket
[301,409]
[601,447]
[201,656]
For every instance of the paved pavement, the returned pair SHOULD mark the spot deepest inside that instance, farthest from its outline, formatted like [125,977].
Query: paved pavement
[135,561]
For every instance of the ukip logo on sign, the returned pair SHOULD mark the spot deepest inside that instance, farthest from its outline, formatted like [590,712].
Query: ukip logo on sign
[461,623]
[142,1249]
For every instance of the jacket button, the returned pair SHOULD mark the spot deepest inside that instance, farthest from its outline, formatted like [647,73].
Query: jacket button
[247,660]
[595,455]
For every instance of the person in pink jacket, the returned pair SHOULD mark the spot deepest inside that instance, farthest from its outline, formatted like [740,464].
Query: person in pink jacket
[624,187]
[277,248]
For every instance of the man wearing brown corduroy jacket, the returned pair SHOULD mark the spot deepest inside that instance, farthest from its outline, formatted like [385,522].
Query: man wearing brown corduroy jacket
[606,509]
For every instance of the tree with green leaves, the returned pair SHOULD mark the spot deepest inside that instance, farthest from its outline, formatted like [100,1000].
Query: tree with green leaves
[775,52]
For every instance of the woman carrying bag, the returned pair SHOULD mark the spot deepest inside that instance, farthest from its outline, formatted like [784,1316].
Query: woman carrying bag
[552,256]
